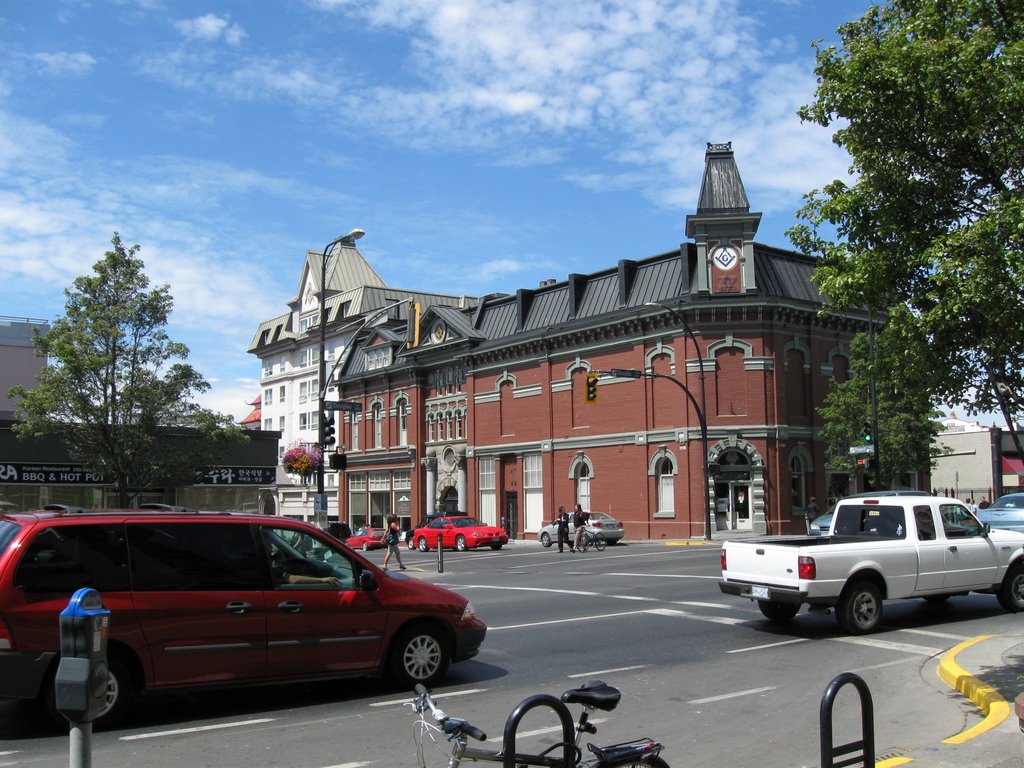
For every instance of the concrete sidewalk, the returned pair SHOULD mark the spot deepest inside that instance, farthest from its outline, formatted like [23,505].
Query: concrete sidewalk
[989,671]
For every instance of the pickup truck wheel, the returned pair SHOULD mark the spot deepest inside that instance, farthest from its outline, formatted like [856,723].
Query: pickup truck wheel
[860,608]
[1011,592]
[778,613]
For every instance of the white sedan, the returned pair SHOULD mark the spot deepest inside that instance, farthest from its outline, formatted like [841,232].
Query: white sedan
[600,523]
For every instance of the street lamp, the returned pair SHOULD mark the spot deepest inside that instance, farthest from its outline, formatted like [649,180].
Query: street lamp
[701,412]
[320,503]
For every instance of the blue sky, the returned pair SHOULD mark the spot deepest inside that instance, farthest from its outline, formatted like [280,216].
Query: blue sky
[483,146]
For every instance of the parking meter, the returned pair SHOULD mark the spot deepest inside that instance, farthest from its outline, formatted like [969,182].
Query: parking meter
[81,683]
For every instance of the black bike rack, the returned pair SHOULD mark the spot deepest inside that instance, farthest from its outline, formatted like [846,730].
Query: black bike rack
[861,752]
[509,758]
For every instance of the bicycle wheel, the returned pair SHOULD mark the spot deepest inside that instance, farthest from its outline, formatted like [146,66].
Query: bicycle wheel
[600,543]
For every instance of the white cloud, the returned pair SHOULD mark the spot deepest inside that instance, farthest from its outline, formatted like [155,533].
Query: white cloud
[211,27]
[63,63]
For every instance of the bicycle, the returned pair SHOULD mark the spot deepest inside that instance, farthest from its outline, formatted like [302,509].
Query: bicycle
[590,539]
[643,753]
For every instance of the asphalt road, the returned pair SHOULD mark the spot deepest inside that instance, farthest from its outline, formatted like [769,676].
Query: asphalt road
[700,671]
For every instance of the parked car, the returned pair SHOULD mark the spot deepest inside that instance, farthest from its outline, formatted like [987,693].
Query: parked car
[1005,512]
[199,600]
[820,525]
[366,539]
[599,523]
[459,532]
[410,540]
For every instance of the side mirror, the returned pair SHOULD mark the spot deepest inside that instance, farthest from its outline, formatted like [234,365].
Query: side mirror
[367,581]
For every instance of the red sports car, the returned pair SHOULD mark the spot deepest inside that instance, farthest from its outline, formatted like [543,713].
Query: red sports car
[366,539]
[459,532]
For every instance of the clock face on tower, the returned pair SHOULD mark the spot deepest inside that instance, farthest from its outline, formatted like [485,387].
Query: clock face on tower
[438,332]
[725,256]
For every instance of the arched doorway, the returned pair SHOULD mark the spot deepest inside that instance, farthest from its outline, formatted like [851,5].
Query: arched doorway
[739,487]
[448,504]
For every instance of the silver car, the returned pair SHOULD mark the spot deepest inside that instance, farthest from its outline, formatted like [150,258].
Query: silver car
[1006,512]
[600,523]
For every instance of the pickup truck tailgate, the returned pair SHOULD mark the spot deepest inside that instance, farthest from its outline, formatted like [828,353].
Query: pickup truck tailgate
[762,562]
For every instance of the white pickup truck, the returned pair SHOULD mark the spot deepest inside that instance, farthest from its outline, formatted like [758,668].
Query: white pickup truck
[877,548]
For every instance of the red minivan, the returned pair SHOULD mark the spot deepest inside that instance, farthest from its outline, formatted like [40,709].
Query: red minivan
[203,599]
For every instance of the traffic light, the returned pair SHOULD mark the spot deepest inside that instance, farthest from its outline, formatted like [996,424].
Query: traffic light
[338,461]
[328,429]
[866,433]
[590,394]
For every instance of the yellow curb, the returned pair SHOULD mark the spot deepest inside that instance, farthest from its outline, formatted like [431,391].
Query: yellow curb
[687,543]
[991,703]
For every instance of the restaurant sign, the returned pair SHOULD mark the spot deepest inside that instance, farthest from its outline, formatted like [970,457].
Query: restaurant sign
[49,474]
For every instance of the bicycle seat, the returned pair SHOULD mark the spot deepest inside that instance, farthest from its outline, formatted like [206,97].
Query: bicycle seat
[596,694]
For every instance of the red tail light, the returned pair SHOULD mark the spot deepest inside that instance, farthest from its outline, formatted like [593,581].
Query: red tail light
[723,558]
[806,568]
[6,641]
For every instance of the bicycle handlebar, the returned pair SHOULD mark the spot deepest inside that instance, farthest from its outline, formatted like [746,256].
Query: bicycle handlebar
[450,725]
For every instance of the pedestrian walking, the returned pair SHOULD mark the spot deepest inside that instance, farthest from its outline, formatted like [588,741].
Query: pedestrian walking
[390,540]
[579,523]
[562,524]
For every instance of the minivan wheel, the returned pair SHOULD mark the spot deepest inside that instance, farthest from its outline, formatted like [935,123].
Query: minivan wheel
[419,655]
[422,544]
[545,539]
[366,546]
[460,543]
[120,692]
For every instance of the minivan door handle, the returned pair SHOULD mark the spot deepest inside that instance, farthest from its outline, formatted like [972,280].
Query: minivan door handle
[952,548]
[289,606]
[238,606]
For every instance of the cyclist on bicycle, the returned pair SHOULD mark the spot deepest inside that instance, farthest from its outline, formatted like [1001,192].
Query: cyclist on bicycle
[579,522]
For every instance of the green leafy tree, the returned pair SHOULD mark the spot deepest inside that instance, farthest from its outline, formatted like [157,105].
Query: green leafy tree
[889,373]
[928,99]
[116,390]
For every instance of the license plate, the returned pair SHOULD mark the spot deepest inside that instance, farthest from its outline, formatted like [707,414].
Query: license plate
[759,592]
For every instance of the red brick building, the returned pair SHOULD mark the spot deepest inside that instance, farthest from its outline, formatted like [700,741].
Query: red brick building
[483,409]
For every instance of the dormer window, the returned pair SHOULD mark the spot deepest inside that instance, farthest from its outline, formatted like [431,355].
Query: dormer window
[378,357]
[308,322]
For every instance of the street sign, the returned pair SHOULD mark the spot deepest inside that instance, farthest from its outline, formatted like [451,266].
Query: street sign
[626,373]
[342,405]
[855,449]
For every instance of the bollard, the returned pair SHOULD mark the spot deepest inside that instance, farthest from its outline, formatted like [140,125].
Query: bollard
[440,556]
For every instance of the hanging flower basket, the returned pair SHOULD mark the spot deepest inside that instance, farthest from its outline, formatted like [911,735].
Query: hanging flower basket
[302,461]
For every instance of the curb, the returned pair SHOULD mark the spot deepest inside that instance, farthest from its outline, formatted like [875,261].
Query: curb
[986,698]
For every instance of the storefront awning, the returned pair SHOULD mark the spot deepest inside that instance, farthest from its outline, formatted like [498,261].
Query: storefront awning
[1013,465]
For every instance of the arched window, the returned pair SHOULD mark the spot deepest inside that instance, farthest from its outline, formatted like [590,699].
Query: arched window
[583,485]
[798,481]
[665,474]
[403,421]
[378,425]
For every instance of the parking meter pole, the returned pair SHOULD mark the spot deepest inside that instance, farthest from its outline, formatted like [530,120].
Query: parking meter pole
[80,738]
[440,556]
[80,686]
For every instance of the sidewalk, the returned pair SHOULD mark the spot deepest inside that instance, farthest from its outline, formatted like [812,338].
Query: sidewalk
[989,671]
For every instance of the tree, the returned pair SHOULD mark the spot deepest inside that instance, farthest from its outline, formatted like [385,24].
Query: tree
[116,391]
[888,372]
[929,100]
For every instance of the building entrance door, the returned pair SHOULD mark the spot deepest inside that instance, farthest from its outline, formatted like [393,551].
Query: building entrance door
[510,515]
[740,495]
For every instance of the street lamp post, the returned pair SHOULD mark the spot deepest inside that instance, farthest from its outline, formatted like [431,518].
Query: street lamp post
[320,504]
[701,413]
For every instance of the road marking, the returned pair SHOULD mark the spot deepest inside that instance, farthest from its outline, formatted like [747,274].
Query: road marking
[351,765]
[768,645]
[608,671]
[434,696]
[891,646]
[664,576]
[735,695]
[688,615]
[543,731]
[941,635]
[566,621]
[197,729]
